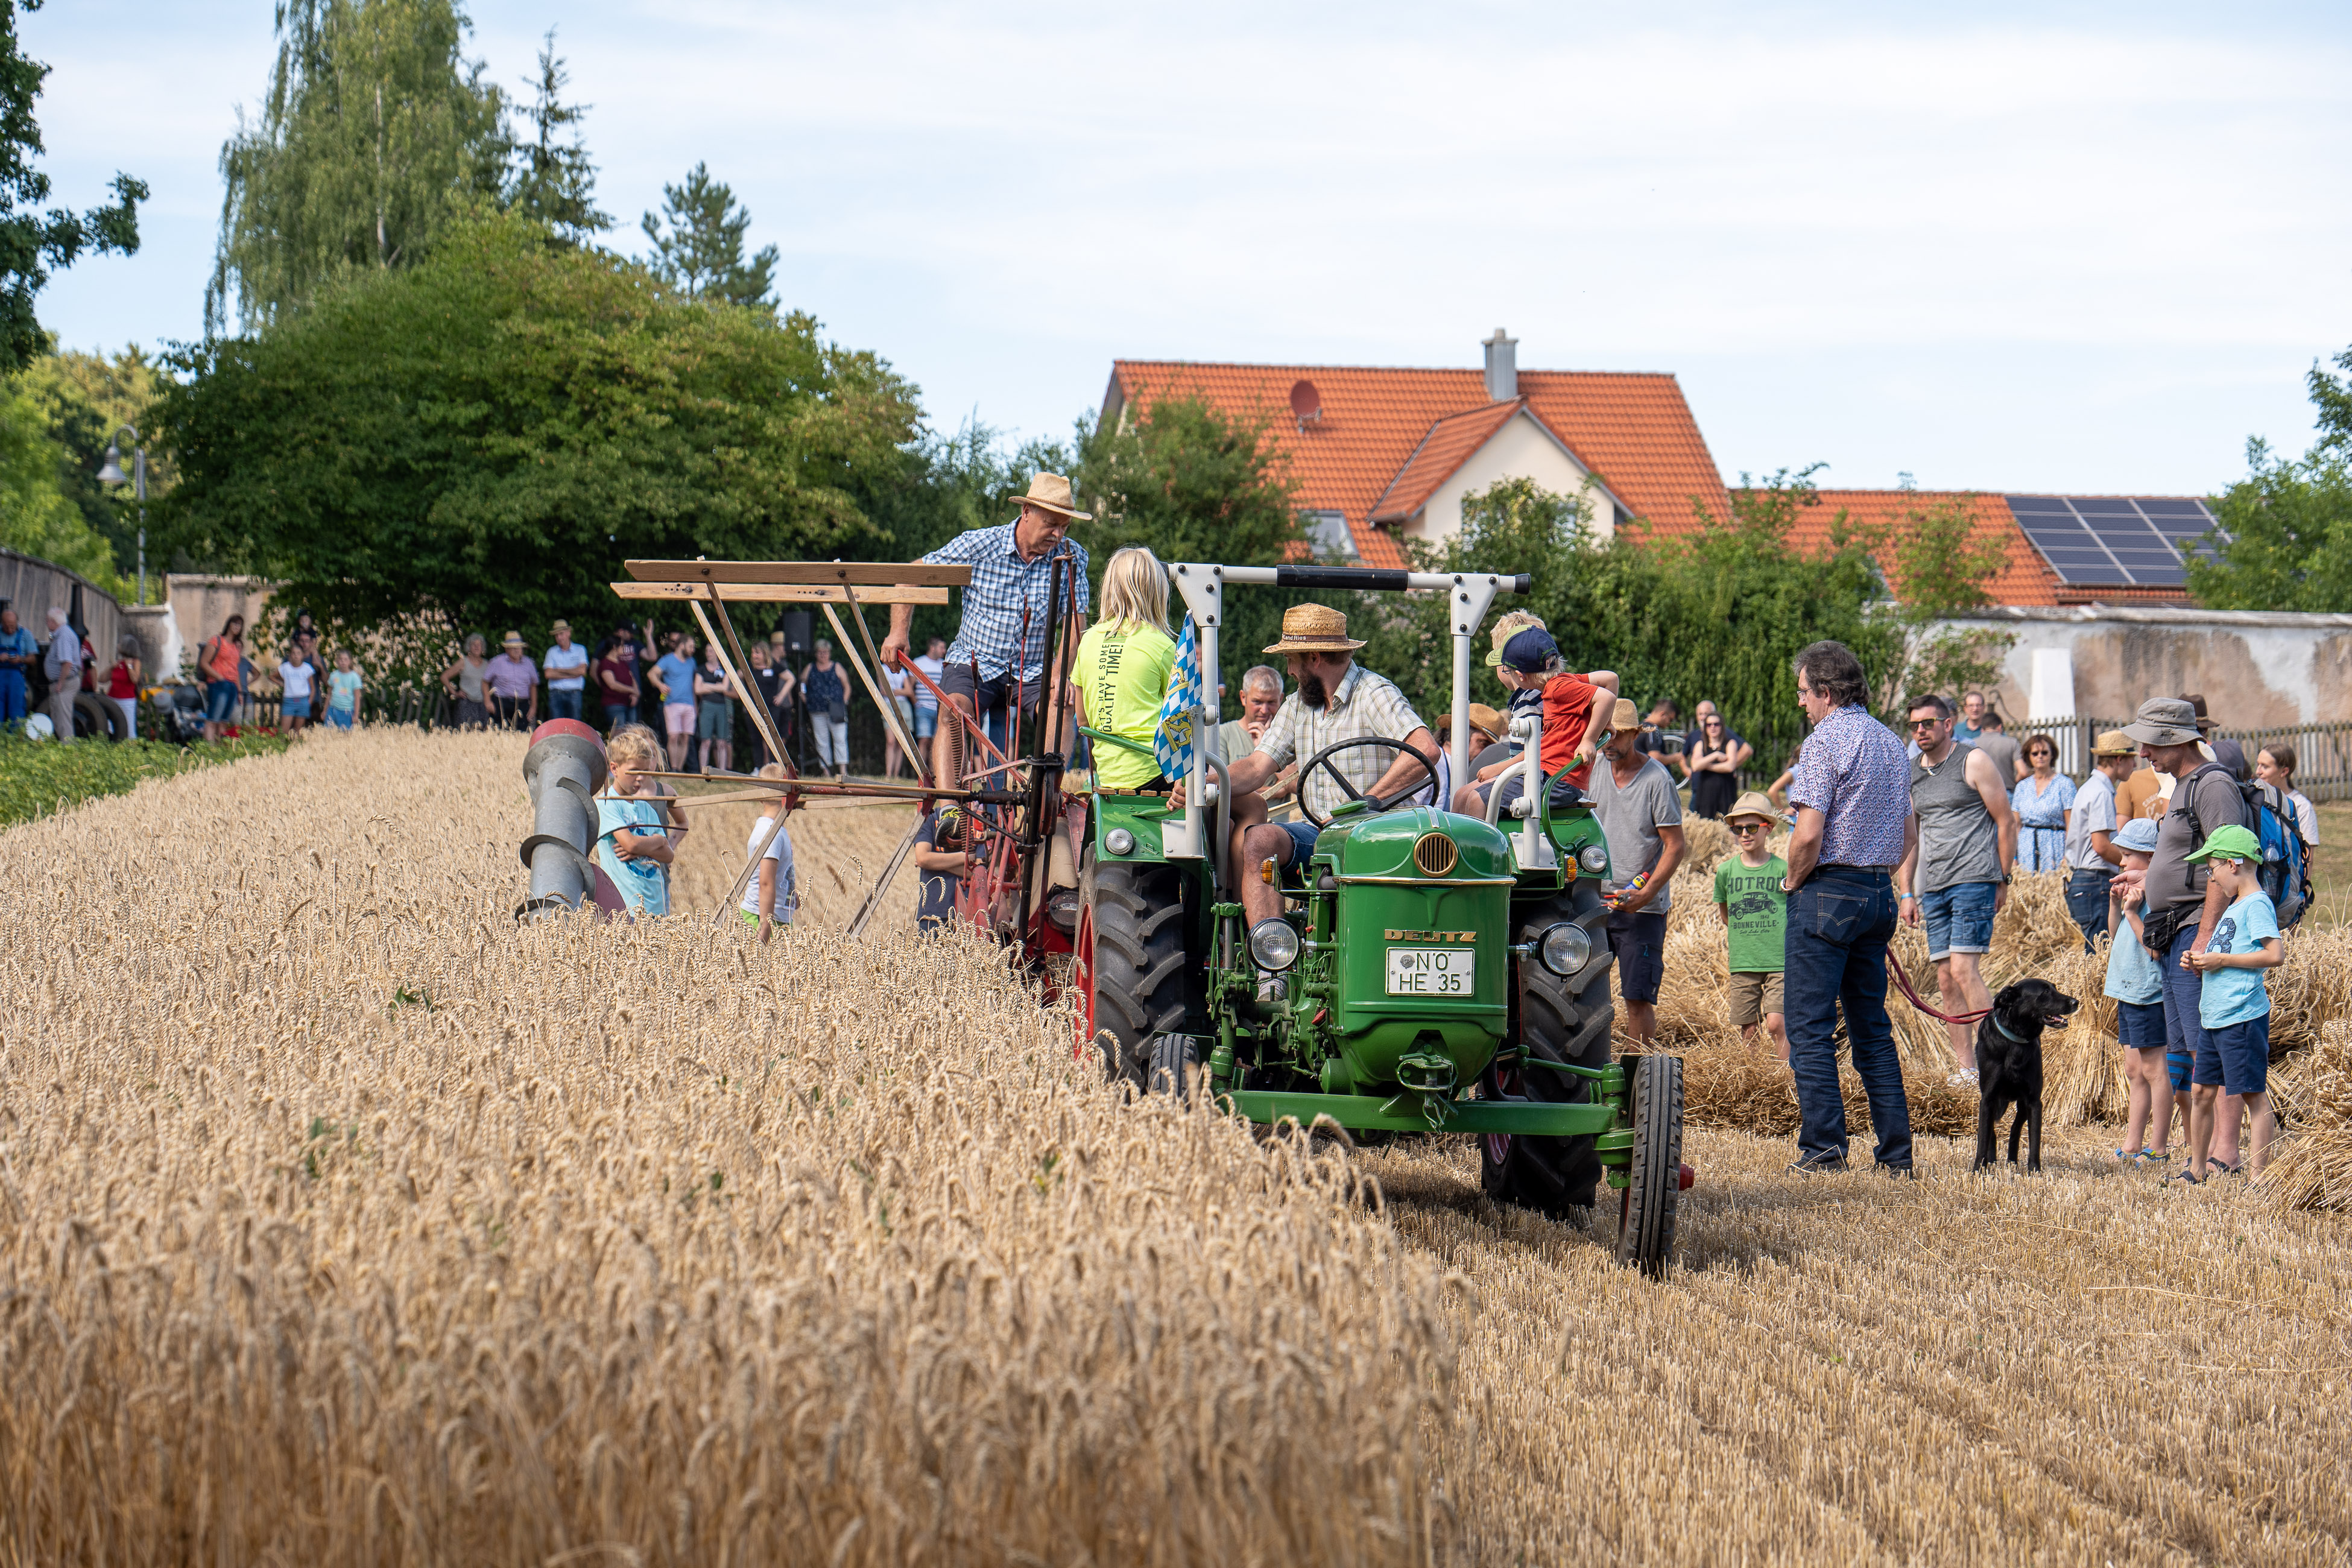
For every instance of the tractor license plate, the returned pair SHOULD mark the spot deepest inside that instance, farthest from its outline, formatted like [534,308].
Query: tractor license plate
[1430,971]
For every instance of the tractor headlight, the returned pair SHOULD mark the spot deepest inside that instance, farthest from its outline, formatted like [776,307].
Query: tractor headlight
[1564,948]
[1593,858]
[1120,841]
[1275,944]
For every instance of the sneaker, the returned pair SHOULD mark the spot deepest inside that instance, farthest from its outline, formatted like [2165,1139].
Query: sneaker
[1964,1078]
[1820,1165]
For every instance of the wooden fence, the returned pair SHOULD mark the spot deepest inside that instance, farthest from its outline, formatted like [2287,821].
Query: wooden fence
[2323,752]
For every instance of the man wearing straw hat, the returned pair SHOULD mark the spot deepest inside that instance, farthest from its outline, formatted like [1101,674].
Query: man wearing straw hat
[2092,856]
[1337,700]
[1002,641]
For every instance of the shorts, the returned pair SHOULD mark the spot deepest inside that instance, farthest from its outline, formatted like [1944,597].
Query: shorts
[2237,1056]
[1513,785]
[677,717]
[2139,1025]
[987,696]
[715,721]
[1754,993]
[220,701]
[906,708]
[341,717]
[1639,940]
[294,708]
[1958,917]
[927,720]
[1303,836]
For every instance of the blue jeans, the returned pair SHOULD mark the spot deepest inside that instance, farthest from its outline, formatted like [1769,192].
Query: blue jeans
[2184,1032]
[1839,922]
[563,704]
[2086,900]
[13,695]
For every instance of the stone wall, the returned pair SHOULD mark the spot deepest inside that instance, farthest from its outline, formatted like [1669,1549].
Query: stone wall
[2255,668]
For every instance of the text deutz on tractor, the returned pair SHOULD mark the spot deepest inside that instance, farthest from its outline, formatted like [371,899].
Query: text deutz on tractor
[1443,975]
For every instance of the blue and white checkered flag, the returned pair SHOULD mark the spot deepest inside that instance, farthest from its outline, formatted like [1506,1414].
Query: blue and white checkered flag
[1172,743]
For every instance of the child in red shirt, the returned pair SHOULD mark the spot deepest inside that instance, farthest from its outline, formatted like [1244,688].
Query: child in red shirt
[1530,666]
[123,682]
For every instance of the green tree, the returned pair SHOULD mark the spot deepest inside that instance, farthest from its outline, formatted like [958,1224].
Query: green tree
[85,398]
[700,251]
[35,517]
[33,243]
[1195,483]
[376,135]
[2282,535]
[487,435]
[1942,566]
[554,181]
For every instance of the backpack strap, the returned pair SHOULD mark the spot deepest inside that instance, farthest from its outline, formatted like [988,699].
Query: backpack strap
[2184,799]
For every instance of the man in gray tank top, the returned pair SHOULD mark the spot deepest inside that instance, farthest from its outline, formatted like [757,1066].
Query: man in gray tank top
[1956,878]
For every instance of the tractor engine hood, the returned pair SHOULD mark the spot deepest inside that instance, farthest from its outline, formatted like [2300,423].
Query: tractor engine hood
[1421,911]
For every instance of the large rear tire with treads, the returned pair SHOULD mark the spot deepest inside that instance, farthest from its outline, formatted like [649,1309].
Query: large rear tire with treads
[1561,1019]
[1140,983]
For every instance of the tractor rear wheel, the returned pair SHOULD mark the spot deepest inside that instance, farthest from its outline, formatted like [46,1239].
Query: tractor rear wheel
[1645,1214]
[1561,1020]
[1140,983]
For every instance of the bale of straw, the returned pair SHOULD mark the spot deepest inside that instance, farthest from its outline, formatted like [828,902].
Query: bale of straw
[2312,1170]
[1727,1085]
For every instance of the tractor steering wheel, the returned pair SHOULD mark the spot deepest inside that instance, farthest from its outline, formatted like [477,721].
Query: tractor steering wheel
[1322,759]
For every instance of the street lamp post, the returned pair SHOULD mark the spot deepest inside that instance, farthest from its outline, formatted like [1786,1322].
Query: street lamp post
[111,473]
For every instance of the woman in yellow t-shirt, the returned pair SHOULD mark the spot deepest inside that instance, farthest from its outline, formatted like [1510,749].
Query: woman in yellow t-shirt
[1122,667]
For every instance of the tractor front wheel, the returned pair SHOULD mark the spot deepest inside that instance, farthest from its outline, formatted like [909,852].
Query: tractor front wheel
[1645,1211]
[1561,1019]
[1140,983]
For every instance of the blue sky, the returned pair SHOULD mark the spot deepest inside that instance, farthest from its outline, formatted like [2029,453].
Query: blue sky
[2085,249]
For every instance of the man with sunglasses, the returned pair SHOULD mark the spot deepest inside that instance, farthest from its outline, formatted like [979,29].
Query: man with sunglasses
[1956,878]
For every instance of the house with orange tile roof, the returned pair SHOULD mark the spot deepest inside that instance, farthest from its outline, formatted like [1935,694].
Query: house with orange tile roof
[2060,550]
[1385,454]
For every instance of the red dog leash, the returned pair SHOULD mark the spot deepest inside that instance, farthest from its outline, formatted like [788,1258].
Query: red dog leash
[1902,984]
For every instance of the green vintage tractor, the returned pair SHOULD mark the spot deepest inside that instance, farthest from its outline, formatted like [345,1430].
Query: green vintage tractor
[1442,973]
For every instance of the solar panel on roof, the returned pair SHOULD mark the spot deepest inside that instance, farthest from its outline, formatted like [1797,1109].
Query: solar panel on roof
[2134,542]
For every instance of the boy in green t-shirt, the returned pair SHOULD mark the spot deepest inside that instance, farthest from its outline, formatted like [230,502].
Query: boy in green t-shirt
[1748,900]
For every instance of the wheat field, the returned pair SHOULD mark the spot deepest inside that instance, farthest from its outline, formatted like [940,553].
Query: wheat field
[344,1221]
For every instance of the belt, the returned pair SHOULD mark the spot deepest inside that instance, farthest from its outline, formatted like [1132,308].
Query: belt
[1853,870]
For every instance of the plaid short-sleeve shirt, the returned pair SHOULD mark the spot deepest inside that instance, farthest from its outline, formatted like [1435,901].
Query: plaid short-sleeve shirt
[1364,704]
[1852,771]
[1002,585]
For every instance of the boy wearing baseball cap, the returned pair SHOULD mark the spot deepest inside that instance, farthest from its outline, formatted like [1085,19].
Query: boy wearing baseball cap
[1529,663]
[2234,1005]
[2137,987]
[1754,910]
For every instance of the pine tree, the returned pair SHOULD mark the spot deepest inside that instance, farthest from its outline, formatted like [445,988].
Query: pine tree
[701,256]
[553,182]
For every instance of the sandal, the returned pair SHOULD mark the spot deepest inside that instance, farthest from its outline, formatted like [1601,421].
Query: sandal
[2186,1175]
[2214,1166]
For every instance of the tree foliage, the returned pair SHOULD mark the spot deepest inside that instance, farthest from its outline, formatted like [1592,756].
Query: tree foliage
[34,243]
[376,135]
[1195,483]
[698,245]
[1942,566]
[84,399]
[554,180]
[487,435]
[36,516]
[2282,535]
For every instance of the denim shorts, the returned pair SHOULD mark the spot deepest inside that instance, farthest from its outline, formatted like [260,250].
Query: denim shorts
[2139,1025]
[1958,917]
[927,719]
[341,718]
[1303,835]
[220,700]
[2237,1056]
[294,708]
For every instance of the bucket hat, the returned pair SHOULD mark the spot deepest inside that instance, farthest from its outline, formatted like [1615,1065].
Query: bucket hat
[1511,624]
[2164,721]
[1314,628]
[2229,842]
[2139,835]
[1052,491]
[2113,744]
[1753,803]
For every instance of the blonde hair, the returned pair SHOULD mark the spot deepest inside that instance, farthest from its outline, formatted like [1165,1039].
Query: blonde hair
[770,771]
[1135,590]
[632,746]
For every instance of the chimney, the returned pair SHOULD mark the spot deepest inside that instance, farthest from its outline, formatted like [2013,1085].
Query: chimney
[1502,367]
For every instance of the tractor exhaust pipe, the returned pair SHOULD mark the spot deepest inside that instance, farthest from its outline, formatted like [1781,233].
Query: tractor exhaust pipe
[563,770]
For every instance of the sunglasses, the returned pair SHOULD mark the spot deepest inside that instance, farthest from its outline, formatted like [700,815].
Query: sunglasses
[1750,825]
[1924,723]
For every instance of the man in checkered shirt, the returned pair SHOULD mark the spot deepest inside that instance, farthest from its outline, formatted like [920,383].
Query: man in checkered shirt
[1001,642]
[1337,700]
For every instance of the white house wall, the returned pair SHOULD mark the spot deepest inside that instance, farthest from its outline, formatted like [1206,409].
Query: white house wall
[1519,449]
[2253,667]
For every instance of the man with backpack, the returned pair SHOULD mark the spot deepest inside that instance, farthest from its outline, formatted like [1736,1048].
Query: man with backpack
[2181,906]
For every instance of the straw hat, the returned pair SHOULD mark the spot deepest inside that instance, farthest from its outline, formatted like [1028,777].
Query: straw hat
[1314,628]
[560,625]
[1052,491]
[514,639]
[2115,743]
[1481,718]
[1753,804]
[1625,716]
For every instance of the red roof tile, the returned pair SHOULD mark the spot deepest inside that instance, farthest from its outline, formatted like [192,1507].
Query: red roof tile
[2024,579]
[1449,443]
[1634,431]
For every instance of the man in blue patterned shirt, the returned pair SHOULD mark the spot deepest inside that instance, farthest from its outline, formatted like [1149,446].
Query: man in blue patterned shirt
[1002,641]
[1853,797]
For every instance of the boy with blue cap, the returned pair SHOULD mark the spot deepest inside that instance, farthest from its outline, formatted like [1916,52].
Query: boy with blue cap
[2234,1005]
[2137,987]
[1530,666]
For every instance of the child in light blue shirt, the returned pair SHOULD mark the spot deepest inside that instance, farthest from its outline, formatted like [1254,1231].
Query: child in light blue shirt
[2234,1005]
[631,842]
[2137,985]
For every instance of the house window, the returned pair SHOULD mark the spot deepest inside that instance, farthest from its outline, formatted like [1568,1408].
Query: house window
[1327,533]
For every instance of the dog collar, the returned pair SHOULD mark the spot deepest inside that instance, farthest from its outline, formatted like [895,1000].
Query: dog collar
[2013,1039]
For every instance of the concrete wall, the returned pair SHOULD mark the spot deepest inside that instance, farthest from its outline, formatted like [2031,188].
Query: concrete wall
[33,585]
[2256,668]
[1520,450]
[200,606]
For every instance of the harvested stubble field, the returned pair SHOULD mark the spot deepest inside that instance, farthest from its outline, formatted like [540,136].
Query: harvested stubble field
[343,1221]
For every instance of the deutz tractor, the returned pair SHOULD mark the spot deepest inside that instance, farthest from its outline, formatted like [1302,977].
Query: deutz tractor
[1441,973]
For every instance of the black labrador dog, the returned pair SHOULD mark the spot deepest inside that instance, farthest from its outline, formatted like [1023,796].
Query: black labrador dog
[2009,1065]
